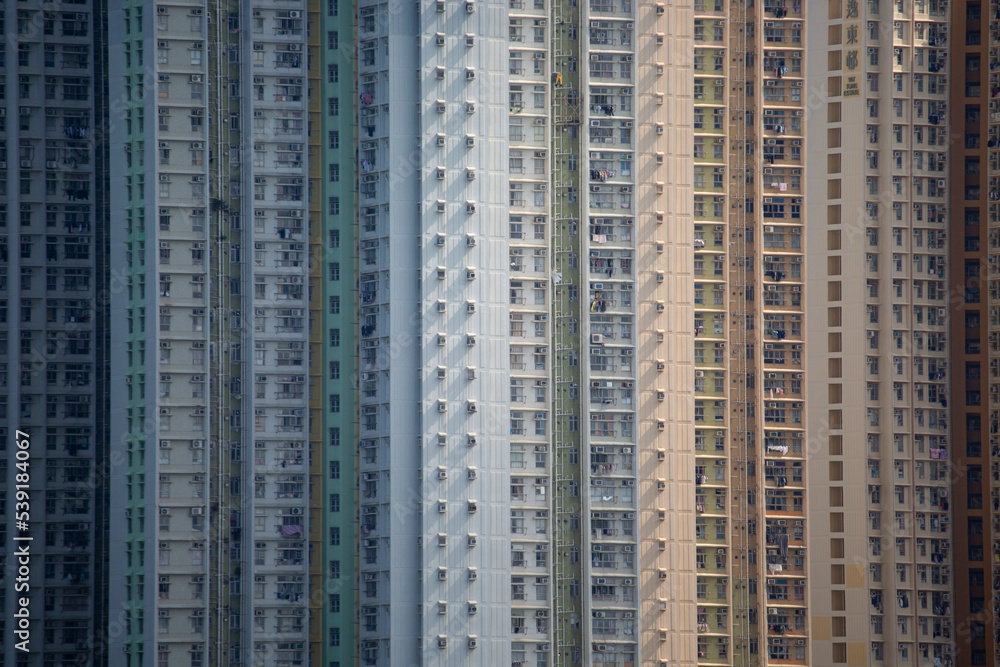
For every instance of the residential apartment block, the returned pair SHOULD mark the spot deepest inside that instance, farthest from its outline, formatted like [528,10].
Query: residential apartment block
[475,330]
[882,316]
[538,536]
[335,312]
[277,328]
[973,173]
[432,362]
[211,510]
[53,387]
[600,366]
[750,391]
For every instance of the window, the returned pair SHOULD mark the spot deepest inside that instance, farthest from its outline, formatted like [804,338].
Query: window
[335,271]
[335,507]
[334,337]
[540,423]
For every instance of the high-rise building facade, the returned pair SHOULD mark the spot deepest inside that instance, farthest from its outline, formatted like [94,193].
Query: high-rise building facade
[210,390]
[398,359]
[600,514]
[335,313]
[882,303]
[749,273]
[432,362]
[973,173]
[294,264]
[561,566]
[53,350]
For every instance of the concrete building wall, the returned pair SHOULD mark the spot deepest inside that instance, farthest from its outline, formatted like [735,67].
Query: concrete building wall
[433,307]
[749,269]
[211,397]
[973,192]
[337,313]
[53,269]
[880,439]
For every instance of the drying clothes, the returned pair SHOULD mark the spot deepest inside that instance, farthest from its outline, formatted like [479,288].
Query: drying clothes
[290,531]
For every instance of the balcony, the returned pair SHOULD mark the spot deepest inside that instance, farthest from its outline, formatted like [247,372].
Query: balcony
[608,530]
[607,7]
[289,629]
[604,268]
[611,467]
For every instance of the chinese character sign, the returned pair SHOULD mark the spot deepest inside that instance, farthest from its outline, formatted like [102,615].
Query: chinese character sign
[852,49]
